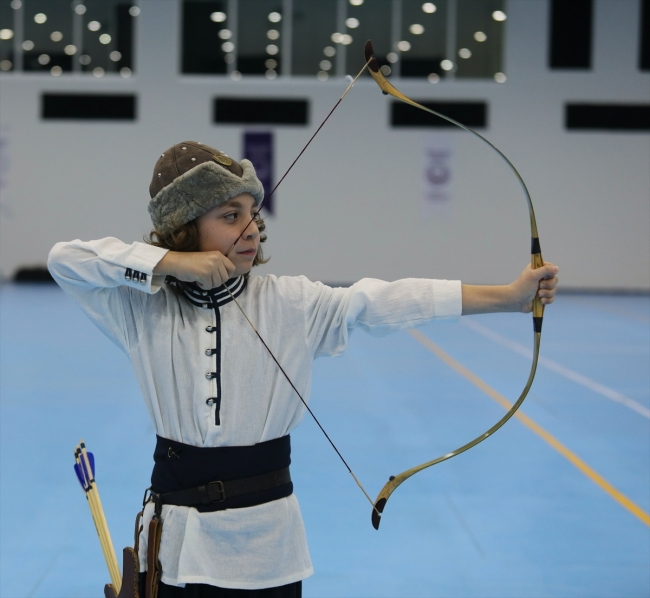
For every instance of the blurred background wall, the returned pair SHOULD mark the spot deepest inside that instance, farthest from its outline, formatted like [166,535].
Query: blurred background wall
[353,206]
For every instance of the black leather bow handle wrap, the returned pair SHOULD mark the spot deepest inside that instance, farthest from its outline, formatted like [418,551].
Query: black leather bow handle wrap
[538,306]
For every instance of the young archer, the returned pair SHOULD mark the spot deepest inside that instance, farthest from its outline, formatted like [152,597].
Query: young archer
[222,411]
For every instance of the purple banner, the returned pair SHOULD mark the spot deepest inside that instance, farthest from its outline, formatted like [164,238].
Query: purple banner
[258,148]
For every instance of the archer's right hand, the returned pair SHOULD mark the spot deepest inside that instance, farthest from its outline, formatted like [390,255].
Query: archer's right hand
[208,269]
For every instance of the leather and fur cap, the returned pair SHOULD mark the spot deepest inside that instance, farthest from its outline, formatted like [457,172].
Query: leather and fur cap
[191,178]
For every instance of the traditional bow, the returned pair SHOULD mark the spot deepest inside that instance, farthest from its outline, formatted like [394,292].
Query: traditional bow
[538,306]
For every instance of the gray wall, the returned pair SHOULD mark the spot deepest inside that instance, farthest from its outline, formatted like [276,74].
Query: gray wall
[351,207]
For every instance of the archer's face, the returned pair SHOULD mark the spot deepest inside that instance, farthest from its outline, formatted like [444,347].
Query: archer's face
[220,227]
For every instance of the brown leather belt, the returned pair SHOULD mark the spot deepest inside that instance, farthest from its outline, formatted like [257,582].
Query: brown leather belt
[218,491]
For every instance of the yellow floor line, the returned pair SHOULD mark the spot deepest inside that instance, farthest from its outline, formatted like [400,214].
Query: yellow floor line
[541,432]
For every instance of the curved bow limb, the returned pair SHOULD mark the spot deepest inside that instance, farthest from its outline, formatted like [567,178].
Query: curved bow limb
[538,306]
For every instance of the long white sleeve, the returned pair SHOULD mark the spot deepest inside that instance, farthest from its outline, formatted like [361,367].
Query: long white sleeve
[105,277]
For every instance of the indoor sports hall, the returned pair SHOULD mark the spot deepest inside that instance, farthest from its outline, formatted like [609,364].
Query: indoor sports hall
[553,503]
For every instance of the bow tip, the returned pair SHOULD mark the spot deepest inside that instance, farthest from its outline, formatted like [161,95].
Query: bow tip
[373,65]
[377,511]
[369,51]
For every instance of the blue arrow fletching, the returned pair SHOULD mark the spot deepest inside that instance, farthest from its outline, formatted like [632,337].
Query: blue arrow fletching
[80,476]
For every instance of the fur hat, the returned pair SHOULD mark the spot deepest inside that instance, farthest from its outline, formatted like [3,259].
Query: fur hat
[191,178]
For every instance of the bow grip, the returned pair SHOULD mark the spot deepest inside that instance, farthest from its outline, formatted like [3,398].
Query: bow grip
[536,261]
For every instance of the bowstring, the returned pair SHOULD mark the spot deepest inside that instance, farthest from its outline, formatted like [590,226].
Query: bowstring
[253,218]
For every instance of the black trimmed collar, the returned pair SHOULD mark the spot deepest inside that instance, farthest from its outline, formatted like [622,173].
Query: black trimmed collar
[216,297]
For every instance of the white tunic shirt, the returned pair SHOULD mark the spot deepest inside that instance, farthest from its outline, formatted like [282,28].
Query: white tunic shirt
[166,337]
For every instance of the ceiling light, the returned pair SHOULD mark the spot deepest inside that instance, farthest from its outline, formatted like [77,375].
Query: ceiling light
[346,39]
[28,45]
[271,74]
[98,71]
[218,17]
[43,59]
[329,51]
[499,15]
[235,75]
[85,59]
[5,65]
[15,4]
[56,36]
[433,78]
[56,71]
[134,11]
[479,36]
[225,34]
[356,2]
[70,50]
[403,46]
[446,65]
[227,47]
[80,9]
[351,23]
[273,34]
[94,25]
[125,72]
[392,57]
[429,8]
[500,77]
[385,70]
[271,63]
[115,56]
[6,34]
[325,65]
[40,18]
[105,39]
[322,76]
[272,49]
[416,29]
[465,53]
[275,17]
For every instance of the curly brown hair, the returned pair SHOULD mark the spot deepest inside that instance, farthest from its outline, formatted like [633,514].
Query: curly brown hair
[186,238]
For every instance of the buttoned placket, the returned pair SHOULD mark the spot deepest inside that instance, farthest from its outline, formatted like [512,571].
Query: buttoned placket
[214,373]
[213,299]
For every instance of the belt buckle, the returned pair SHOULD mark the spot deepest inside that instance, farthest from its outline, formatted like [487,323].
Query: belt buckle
[222,491]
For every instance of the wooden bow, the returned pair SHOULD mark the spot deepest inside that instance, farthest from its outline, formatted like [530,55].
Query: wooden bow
[538,306]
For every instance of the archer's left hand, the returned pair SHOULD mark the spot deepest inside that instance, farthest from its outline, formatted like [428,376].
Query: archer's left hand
[540,281]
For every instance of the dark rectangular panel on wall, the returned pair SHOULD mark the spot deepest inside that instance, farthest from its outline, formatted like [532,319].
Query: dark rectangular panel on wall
[644,36]
[607,117]
[570,29]
[71,106]
[470,114]
[245,111]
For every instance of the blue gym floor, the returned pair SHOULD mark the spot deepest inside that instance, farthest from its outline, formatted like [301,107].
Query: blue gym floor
[555,504]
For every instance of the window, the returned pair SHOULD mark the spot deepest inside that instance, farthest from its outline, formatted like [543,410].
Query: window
[370,20]
[479,39]
[59,36]
[313,52]
[7,37]
[260,37]
[207,37]
[422,39]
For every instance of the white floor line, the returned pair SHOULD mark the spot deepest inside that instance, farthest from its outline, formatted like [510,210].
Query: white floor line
[559,369]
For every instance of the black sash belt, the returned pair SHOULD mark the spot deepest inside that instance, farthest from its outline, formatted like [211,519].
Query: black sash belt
[218,478]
